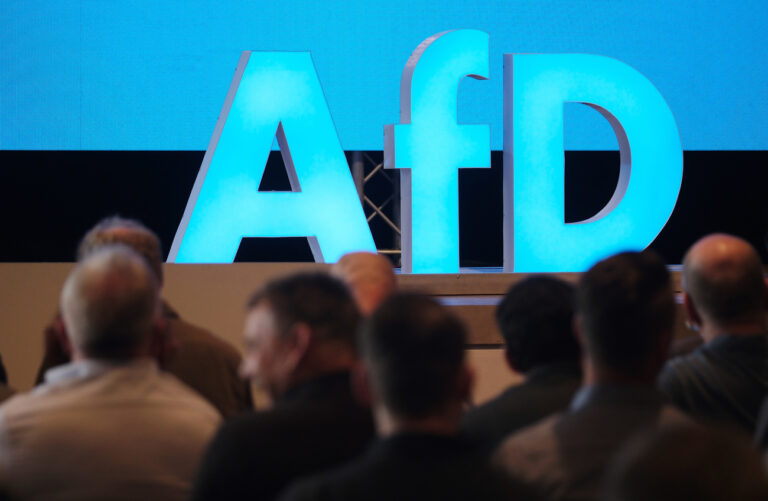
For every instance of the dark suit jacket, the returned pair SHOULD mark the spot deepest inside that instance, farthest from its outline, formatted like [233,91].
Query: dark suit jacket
[314,426]
[411,466]
[761,434]
[564,456]
[546,390]
[724,380]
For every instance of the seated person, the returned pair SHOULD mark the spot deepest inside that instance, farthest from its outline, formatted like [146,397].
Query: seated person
[725,299]
[200,359]
[536,321]
[415,375]
[300,348]
[692,462]
[109,424]
[624,321]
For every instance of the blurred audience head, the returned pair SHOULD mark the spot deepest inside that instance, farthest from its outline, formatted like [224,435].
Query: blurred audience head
[297,328]
[723,285]
[413,353]
[626,315]
[535,318]
[110,305]
[672,464]
[368,275]
[129,232]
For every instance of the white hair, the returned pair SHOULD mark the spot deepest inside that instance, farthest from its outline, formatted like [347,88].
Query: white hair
[109,303]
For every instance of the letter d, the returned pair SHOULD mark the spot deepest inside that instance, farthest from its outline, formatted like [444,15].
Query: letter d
[536,86]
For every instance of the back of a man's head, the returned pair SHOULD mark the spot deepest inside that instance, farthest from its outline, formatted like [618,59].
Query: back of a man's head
[723,276]
[128,232]
[317,300]
[109,303]
[535,318]
[671,464]
[369,277]
[413,349]
[627,311]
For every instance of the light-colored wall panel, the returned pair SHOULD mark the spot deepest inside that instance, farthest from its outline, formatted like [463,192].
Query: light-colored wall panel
[213,296]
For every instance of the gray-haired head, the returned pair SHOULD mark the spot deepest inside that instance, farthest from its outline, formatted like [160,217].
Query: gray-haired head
[110,303]
[128,232]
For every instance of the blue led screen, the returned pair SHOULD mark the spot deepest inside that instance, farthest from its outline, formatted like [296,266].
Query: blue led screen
[140,75]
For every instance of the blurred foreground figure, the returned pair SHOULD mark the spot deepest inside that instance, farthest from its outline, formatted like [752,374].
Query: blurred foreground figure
[109,424]
[696,463]
[416,378]
[300,348]
[536,321]
[369,277]
[202,360]
[725,298]
[625,320]
[5,390]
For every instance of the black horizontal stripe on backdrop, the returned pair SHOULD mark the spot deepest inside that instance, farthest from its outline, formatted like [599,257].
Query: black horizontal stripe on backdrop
[48,199]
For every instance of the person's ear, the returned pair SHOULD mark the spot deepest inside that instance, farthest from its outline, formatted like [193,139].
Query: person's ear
[298,342]
[60,337]
[163,345]
[692,317]
[765,292]
[466,383]
[510,360]
[361,385]
[578,332]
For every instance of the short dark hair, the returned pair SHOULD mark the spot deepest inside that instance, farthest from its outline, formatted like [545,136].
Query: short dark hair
[626,305]
[414,350]
[316,299]
[687,462]
[535,318]
[135,235]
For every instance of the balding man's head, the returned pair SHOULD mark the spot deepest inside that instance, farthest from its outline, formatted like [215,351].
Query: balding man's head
[128,232]
[723,277]
[369,276]
[110,303]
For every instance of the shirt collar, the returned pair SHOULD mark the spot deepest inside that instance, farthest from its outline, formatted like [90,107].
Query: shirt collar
[616,394]
[572,368]
[91,368]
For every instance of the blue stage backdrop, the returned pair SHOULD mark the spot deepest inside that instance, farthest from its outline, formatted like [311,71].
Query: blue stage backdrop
[149,75]
[107,107]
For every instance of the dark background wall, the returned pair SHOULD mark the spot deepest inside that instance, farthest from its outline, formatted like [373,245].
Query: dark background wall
[48,199]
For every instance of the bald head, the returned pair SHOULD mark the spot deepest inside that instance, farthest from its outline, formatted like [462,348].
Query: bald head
[723,277]
[369,276]
[109,303]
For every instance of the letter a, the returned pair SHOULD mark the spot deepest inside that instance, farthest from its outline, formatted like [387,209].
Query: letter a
[536,86]
[430,146]
[272,94]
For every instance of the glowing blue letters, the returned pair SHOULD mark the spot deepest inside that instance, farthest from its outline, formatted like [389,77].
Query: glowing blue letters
[536,87]
[430,146]
[273,93]
[279,94]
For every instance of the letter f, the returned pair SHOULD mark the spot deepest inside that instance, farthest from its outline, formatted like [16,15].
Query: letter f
[430,146]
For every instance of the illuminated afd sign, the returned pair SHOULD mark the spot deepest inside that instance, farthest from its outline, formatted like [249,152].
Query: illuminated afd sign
[278,94]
